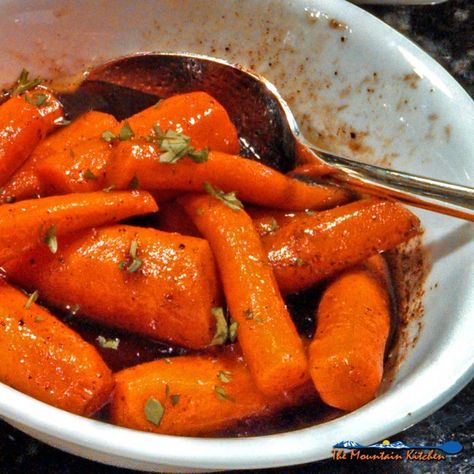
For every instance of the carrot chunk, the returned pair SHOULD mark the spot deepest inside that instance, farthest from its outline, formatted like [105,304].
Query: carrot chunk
[27,224]
[141,280]
[266,333]
[25,183]
[193,395]
[347,352]
[311,248]
[253,182]
[47,360]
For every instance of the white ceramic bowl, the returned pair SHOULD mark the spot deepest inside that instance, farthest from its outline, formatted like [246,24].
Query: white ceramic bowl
[404,106]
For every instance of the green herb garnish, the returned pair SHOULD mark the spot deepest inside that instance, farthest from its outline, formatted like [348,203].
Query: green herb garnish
[175,399]
[109,188]
[38,319]
[135,263]
[224,376]
[108,343]
[222,330]
[229,199]
[126,133]
[24,83]
[222,394]
[50,239]
[32,298]
[154,411]
[233,331]
[89,175]
[175,146]
[38,99]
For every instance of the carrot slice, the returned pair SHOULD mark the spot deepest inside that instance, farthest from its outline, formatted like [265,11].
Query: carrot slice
[21,129]
[195,114]
[311,248]
[26,224]
[80,168]
[347,352]
[47,360]
[199,395]
[25,184]
[167,294]
[253,182]
[266,333]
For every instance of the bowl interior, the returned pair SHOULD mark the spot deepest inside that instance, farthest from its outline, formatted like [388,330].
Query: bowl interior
[355,86]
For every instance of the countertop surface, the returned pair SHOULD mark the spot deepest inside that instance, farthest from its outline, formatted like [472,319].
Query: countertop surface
[445,31]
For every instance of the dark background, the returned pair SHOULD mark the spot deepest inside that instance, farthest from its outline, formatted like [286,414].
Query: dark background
[446,32]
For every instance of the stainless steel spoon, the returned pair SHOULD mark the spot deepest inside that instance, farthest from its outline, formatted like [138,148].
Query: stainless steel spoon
[266,125]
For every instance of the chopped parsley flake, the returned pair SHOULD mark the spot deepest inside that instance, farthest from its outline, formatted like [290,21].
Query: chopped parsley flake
[24,83]
[32,298]
[89,175]
[229,199]
[126,133]
[135,263]
[233,331]
[221,394]
[222,330]
[38,99]
[224,376]
[108,343]
[154,411]
[50,239]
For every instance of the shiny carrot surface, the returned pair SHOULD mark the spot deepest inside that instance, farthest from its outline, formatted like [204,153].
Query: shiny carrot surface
[27,224]
[353,323]
[252,181]
[164,289]
[311,248]
[44,358]
[269,341]
[199,395]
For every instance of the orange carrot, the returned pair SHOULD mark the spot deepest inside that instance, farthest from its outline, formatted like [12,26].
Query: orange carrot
[45,359]
[25,184]
[266,333]
[253,182]
[49,107]
[199,395]
[195,114]
[267,221]
[26,224]
[80,168]
[347,352]
[21,129]
[166,292]
[311,248]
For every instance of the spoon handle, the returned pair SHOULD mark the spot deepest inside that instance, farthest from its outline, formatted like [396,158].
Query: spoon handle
[427,193]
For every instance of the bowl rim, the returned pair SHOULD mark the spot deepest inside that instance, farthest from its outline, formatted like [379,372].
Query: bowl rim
[294,447]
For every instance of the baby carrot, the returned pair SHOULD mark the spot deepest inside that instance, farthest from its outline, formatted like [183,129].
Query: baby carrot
[141,280]
[253,181]
[80,168]
[195,114]
[49,107]
[21,129]
[266,333]
[347,352]
[193,395]
[26,224]
[25,184]
[47,360]
[311,248]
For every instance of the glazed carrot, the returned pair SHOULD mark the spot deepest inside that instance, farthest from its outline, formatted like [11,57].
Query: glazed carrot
[347,352]
[200,395]
[267,221]
[253,182]
[21,129]
[25,184]
[169,296]
[266,333]
[26,224]
[195,114]
[311,248]
[47,360]
[80,168]
[49,107]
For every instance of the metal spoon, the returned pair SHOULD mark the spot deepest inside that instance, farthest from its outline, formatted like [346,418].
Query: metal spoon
[266,125]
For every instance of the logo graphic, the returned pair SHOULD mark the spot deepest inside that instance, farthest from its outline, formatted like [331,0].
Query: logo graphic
[388,451]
